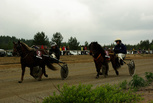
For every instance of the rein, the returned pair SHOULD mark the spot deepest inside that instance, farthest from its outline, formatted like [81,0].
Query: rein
[25,56]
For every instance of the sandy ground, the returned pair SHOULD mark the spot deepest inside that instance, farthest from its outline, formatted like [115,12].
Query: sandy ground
[81,70]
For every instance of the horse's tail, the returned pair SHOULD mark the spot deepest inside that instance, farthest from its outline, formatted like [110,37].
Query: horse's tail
[49,64]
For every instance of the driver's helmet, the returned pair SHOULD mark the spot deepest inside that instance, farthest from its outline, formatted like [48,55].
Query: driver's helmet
[53,44]
[118,39]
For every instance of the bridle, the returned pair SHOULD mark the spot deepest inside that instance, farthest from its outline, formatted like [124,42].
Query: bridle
[92,50]
[19,50]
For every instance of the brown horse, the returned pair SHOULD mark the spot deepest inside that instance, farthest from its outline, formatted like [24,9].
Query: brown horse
[101,61]
[29,59]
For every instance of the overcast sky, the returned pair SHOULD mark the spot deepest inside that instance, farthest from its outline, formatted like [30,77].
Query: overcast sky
[87,20]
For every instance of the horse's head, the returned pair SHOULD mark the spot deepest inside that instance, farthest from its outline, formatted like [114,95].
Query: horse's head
[17,48]
[93,47]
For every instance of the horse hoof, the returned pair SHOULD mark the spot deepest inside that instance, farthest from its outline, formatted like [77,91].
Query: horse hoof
[39,79]
[46,75]
[100,73]
[97,77]
[117,73]
[19,81]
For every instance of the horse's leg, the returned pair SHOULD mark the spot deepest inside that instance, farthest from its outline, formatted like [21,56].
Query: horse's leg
[31,71]
[98,73]
[117,73]
[43,72]
[107,68]
[22,75]
[115,67]
[98,70]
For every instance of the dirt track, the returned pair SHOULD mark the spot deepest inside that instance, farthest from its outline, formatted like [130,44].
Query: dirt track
[81,70]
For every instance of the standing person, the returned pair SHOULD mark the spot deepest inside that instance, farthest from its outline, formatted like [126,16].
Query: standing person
[81,50]
[120,50]
[67,50]
[60,50]
[54,51]
[85,50]
[63,49]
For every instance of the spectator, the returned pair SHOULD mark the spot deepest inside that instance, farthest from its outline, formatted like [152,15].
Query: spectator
[63,49]
[82,50]
[67,50]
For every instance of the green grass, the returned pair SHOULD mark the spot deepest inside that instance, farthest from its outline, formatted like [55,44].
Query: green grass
[85,94]
[123,92]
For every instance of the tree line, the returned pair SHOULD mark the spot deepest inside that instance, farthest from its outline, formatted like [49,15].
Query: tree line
[6,42]
[41,39]
[143,45]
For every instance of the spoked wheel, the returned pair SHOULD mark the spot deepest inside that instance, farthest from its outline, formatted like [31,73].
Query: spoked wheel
[37,71]
[131,66]
[64,71]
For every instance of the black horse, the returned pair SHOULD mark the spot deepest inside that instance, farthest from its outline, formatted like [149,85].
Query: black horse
[29,59]
[101,60]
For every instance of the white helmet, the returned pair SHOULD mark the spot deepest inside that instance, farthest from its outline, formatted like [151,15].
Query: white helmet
[118,39]
[53,44]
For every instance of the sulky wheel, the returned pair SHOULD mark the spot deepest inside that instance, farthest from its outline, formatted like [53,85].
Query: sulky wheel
[131,66]
[37,71]
[104,70]
[64,71]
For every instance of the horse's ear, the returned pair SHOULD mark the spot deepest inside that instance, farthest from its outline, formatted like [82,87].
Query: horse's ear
[18,41]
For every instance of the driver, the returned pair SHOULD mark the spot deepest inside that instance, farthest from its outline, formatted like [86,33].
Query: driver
[120,50]
[54,51]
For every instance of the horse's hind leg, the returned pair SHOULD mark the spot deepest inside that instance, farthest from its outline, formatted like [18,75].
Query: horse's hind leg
[43,72]
[97,76]
[117,73]
[107,69]
[31,70]
[115,66]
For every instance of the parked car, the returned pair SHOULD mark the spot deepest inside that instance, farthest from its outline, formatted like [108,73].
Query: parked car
[75,52]
[2,52]
[9,54]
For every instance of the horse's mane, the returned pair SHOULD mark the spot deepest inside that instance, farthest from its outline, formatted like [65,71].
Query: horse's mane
[96,46]
[27,47]
[97,49]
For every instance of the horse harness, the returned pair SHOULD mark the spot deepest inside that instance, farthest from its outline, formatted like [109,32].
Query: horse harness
[101,59]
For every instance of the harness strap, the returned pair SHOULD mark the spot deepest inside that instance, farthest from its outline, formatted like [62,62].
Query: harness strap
[97,57]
